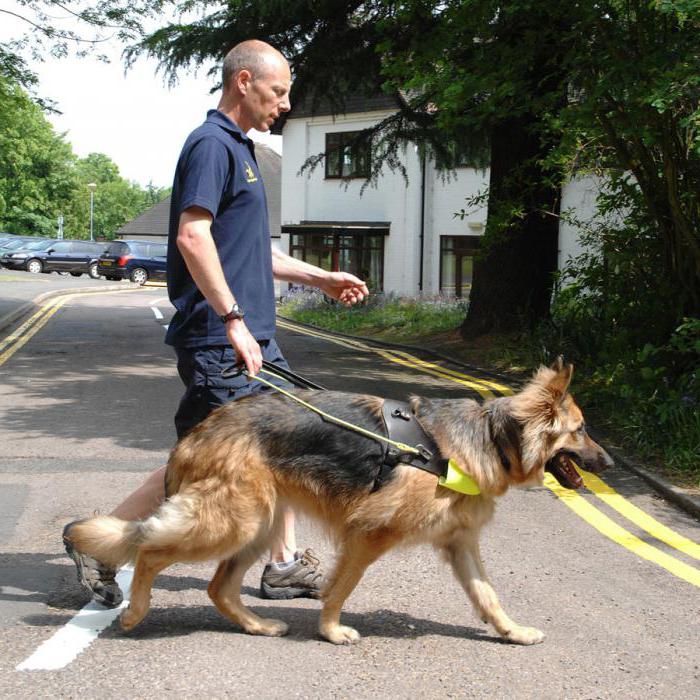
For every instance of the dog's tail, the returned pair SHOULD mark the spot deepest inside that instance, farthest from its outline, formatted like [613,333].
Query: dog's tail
[108,539]
[115,542]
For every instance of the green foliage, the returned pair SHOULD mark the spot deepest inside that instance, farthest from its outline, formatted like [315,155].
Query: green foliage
[399,317]
[41,178]
[37,175]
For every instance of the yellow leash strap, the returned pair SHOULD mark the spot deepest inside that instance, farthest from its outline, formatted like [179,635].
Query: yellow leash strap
[328,417]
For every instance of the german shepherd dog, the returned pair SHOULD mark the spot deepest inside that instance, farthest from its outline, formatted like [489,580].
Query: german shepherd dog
[228,479]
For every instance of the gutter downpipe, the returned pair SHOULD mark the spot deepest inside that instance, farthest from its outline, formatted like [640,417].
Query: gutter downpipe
[422,221]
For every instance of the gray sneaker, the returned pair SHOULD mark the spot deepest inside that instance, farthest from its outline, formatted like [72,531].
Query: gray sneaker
[303,579]
[96,577]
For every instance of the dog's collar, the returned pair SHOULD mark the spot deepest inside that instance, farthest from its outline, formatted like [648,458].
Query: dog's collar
[506,435]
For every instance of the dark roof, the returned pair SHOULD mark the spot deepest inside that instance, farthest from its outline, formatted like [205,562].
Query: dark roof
[154,221]
[354,104]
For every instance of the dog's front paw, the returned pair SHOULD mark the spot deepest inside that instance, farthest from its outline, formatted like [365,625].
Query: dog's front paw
[341,634]
[129,619]
[525,635]
[268,627]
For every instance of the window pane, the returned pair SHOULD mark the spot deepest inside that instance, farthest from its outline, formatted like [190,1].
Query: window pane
[447,263]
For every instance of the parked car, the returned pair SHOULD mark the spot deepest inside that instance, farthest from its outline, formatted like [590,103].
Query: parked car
[138,261]
[17,242]
[75,257]
[23,256]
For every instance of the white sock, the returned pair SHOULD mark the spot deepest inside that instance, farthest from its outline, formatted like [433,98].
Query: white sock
[282,565]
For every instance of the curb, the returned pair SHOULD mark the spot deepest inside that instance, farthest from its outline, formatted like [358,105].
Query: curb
[29,306]
[680,497]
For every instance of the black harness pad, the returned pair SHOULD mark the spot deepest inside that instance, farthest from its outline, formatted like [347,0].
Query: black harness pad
[401,425]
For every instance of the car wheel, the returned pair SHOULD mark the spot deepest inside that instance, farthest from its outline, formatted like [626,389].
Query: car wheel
[93,271]
[138,275]
[34,266]
[76,274]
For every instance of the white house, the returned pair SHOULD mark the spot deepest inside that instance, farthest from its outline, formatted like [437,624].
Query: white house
[402,237]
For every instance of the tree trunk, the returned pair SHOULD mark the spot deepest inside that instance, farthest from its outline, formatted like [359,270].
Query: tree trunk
[513,272]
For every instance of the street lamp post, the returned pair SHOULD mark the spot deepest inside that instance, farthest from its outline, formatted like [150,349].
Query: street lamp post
[92,187]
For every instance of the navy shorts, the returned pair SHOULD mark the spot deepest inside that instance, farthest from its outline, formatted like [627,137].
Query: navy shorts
[205,389]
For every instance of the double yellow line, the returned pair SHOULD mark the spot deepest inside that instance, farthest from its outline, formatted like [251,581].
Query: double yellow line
[21,336]
[579,505]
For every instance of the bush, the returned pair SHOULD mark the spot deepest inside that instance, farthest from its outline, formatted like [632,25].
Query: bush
[401,317]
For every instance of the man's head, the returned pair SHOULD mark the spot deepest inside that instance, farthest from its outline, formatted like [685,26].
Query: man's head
[256,83]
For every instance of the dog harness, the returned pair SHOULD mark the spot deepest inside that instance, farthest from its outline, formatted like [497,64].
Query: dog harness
[406,441]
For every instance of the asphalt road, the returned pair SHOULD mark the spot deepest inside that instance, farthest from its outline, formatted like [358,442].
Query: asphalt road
[86,406]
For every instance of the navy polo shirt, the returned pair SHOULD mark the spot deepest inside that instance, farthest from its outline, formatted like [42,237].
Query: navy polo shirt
[217,171]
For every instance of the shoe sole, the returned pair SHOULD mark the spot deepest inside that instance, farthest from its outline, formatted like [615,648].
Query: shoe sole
[286,593]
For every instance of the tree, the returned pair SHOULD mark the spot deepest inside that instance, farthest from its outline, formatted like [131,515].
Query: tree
[41,178]
[37,178]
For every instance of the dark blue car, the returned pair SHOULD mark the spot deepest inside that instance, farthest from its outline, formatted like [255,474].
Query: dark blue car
[138,261]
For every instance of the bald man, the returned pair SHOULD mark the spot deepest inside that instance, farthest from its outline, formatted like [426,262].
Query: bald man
[221,267]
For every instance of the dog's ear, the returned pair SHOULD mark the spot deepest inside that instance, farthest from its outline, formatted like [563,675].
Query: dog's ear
[559,383]
[558,364]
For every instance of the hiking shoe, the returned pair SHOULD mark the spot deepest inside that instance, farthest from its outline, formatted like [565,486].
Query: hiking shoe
[96,577]
[302,579]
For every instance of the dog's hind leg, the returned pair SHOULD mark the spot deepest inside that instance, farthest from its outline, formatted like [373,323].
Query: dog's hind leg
[356,555]
[465,559]
[149,563]
[225,592]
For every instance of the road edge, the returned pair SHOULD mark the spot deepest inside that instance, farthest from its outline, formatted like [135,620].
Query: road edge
[29,306]
[677,495]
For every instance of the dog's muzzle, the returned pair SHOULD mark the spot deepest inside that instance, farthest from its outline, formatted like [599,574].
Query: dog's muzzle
[563,468]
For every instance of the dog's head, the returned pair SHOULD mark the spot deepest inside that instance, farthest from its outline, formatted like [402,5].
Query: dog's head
[554,436]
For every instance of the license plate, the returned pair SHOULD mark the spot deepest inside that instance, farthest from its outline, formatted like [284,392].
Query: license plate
[105,263]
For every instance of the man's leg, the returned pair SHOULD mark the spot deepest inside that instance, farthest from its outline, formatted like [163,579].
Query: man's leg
[145,500]
[289,573]
[284,545]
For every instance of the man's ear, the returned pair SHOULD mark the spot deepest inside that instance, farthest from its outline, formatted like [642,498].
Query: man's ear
[559,383]
[243,79]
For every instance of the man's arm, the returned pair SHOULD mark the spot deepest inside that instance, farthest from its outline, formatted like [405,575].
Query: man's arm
[195,243]
[342,286]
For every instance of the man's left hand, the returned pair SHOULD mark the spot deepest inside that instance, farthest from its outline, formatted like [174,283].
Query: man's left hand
[344,287]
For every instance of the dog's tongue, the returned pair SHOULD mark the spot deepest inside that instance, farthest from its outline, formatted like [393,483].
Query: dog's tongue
[564,471]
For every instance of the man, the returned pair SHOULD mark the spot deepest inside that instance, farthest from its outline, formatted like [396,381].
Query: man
[220,280]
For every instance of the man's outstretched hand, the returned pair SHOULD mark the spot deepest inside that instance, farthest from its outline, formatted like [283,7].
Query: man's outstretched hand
[344,287]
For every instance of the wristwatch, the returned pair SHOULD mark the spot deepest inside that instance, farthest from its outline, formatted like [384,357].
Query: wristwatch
[236,312]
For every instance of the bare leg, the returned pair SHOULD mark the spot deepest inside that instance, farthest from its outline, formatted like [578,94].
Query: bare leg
[148,565]
[145,500]
[225,591]
[463,554]
[283,545]
[356,556]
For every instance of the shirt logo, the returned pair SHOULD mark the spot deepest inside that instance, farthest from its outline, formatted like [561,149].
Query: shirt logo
[249,174]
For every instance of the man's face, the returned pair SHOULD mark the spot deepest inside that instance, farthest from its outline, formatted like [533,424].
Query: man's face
[268,95]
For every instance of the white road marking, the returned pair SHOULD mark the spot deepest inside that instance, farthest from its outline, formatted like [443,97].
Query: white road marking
[157,312]
[158,300]
[78,633]
[165,325]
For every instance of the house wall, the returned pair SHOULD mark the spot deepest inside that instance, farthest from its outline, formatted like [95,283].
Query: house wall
[311,197]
